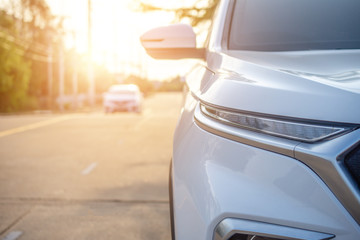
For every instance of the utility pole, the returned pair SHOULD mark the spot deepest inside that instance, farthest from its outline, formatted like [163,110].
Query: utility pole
[115,56]
[61,77]
[75,75]
[75,86]
[90,67]
[50,72]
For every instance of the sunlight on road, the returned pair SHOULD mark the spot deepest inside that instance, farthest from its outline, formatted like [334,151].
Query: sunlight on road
[85,169]
[36,125]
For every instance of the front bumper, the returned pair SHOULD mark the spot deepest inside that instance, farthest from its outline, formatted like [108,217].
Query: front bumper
[120,105]
[215,178]
[231,228]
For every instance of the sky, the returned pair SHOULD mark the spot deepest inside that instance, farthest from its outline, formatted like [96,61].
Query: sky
[116,30]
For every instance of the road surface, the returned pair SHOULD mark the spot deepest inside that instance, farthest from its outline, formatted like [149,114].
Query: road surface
[87,175]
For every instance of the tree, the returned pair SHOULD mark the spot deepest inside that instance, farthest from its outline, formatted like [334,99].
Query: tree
[173,85]
[14,71]
[199,15]
[144,85]
[30,29]
[201,12]
[42,31]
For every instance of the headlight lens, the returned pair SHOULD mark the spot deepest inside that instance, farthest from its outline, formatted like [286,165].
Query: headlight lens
[281,128]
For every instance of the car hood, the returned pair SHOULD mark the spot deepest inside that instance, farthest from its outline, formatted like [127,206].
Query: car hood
[315,85]
[336,68]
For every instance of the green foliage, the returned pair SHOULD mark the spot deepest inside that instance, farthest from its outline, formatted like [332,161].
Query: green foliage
[21,73]
[14,77]
[147,87]
[28,31]
[144,85]
[201,12]
[34,12]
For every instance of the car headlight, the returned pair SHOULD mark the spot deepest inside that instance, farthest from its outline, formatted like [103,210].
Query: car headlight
[295,130]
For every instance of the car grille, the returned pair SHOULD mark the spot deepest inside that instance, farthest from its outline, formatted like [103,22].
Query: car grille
[352,163]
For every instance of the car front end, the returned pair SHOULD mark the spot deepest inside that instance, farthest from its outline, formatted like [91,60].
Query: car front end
[122,97]
[267,146]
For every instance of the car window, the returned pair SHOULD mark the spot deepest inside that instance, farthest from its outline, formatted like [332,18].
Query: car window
[124,92]
[291,25]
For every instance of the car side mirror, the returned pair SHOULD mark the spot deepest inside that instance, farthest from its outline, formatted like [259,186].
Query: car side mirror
[172,42]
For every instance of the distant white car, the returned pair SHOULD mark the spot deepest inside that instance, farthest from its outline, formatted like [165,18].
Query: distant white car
[123,97]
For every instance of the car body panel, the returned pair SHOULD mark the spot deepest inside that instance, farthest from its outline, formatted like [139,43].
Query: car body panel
[217,178]
[310,95]
[223,172]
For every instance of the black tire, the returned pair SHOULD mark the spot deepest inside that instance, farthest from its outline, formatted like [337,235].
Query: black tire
[171,203]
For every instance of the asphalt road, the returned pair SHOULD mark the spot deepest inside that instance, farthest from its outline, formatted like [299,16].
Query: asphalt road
[87,175]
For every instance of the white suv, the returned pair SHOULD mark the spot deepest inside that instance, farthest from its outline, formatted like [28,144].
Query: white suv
[122,97]
[268,142]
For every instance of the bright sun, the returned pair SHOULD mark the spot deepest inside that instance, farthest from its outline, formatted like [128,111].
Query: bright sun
[115,33]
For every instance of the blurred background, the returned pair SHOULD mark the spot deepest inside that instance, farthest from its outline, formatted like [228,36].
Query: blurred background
[67,169]
[63,54]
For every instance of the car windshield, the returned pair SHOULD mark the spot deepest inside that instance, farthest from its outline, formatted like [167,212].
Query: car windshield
[122,92]
[293,25]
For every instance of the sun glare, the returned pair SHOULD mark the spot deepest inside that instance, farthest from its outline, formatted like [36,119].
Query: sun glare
[115,34]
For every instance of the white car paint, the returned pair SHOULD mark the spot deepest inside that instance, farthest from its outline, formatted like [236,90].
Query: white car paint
[174,36]
[227,180]
[122,97]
